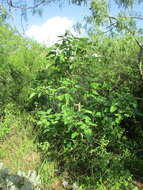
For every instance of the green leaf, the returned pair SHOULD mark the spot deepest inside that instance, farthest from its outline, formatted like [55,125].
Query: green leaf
[113,109]
[32,95]
[88,134]
[48,111]
[75,134]
[98,114]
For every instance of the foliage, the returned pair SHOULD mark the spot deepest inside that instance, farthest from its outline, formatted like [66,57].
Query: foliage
[83,99]
[18,62]
[127,16]
[6,121]
[7,8]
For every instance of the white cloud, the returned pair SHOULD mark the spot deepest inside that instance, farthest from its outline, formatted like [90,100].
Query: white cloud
[48,32]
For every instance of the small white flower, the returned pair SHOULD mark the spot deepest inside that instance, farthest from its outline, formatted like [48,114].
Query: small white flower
[58,51]
[74,186]
[13,188]
[21,174]
[65,184]
[95,55]
[72,58]
[1,165]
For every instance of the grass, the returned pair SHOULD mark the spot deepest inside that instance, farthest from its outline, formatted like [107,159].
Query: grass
[18,151]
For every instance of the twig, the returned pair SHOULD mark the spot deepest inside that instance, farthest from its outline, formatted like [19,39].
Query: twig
[133,17]
[140,57]
[78,106]
[10,3]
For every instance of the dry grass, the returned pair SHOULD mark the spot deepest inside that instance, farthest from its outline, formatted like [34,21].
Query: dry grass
[18,151]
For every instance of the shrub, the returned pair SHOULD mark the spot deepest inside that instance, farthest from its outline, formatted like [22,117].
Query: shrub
[82,97]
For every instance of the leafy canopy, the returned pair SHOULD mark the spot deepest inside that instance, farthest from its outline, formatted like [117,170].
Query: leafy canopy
[100,10]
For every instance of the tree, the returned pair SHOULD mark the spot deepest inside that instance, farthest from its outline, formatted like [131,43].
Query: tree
[33,5]
[126,18]
[7,8]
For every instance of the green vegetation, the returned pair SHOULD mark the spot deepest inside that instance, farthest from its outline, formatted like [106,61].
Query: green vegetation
[73,112]
[87,113]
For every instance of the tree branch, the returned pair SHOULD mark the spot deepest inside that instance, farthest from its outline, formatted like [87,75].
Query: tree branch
[140,58]
[133,17]
[10,3]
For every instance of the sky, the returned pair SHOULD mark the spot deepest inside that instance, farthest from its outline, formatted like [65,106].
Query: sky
[55,21]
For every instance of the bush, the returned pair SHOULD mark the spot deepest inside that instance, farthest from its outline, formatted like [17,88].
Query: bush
[82,97]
